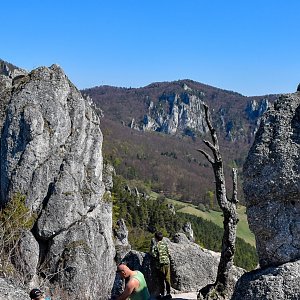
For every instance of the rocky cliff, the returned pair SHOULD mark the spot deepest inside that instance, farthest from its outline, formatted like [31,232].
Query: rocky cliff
[176,113]
[272,183]
[272,189]
[177,108]
[51,153]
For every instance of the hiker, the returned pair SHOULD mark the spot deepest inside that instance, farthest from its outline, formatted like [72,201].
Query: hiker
[136,287]
[37,294]
[159,250]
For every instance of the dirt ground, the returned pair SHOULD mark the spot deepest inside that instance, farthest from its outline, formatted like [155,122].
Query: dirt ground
[185,296]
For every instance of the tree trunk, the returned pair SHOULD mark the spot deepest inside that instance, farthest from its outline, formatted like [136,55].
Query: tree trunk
[228,206]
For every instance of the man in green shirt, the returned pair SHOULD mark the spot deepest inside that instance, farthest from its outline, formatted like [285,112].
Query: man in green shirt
[136,287]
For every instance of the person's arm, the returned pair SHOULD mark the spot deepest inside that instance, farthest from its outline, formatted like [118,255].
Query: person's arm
[129,289]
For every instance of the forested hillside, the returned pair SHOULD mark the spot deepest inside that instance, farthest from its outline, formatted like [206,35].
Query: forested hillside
[170,163]
[167,164]
[144,215]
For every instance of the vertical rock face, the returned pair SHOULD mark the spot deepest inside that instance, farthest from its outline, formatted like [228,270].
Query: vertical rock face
[176,113]
[256,109]
[272,183]
[51,152]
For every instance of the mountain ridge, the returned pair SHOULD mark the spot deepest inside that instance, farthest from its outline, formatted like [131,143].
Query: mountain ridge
[177,108]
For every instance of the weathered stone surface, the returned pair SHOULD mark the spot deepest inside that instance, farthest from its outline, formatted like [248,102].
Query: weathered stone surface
[272,183]
[51,152]
[82,256]
[188,230]
[278,283]
[27,257]
[192,266]
[8,73]
[12,291]
[108,173]
[121,233]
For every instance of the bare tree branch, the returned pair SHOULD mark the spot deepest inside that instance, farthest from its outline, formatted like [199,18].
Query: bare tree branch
[234,198]
[209,124]
[228,207]
[209,145]
[208,157]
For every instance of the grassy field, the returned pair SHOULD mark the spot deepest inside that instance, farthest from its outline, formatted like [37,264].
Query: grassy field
[243,230]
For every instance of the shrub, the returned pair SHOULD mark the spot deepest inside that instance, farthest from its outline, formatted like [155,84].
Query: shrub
[15,217]
[202,207]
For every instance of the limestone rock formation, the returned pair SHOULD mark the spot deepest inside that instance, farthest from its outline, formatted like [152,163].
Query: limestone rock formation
[51,152]
[121,240]
[188,230]
[108,173]
[27,260]
[8,74]
[171,207]
[272,183]
[278,283]
[121,233]
[255,109]
[176,113]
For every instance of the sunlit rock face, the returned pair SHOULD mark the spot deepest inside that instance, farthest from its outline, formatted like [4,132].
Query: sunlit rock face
[280,283]
[51,152]
[272,183]
[176,113]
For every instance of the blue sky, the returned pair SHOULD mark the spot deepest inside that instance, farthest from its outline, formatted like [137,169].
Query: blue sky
[251,47]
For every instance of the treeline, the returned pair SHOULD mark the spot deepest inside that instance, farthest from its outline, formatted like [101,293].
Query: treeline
[209,235]
[144,215]
[142,211]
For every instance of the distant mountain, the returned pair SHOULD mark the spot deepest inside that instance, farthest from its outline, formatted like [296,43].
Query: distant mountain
[166,120]
[176,108]
[9,70]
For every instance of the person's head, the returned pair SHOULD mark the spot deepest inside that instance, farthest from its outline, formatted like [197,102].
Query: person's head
[158,235]
[124,271]
[36,294]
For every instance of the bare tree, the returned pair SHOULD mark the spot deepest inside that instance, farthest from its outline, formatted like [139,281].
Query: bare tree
[219,289]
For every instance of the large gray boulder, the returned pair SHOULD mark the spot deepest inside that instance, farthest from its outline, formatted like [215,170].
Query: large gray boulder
[278,283]
[51,152]
[272,183]
[27,258]
[192,266]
